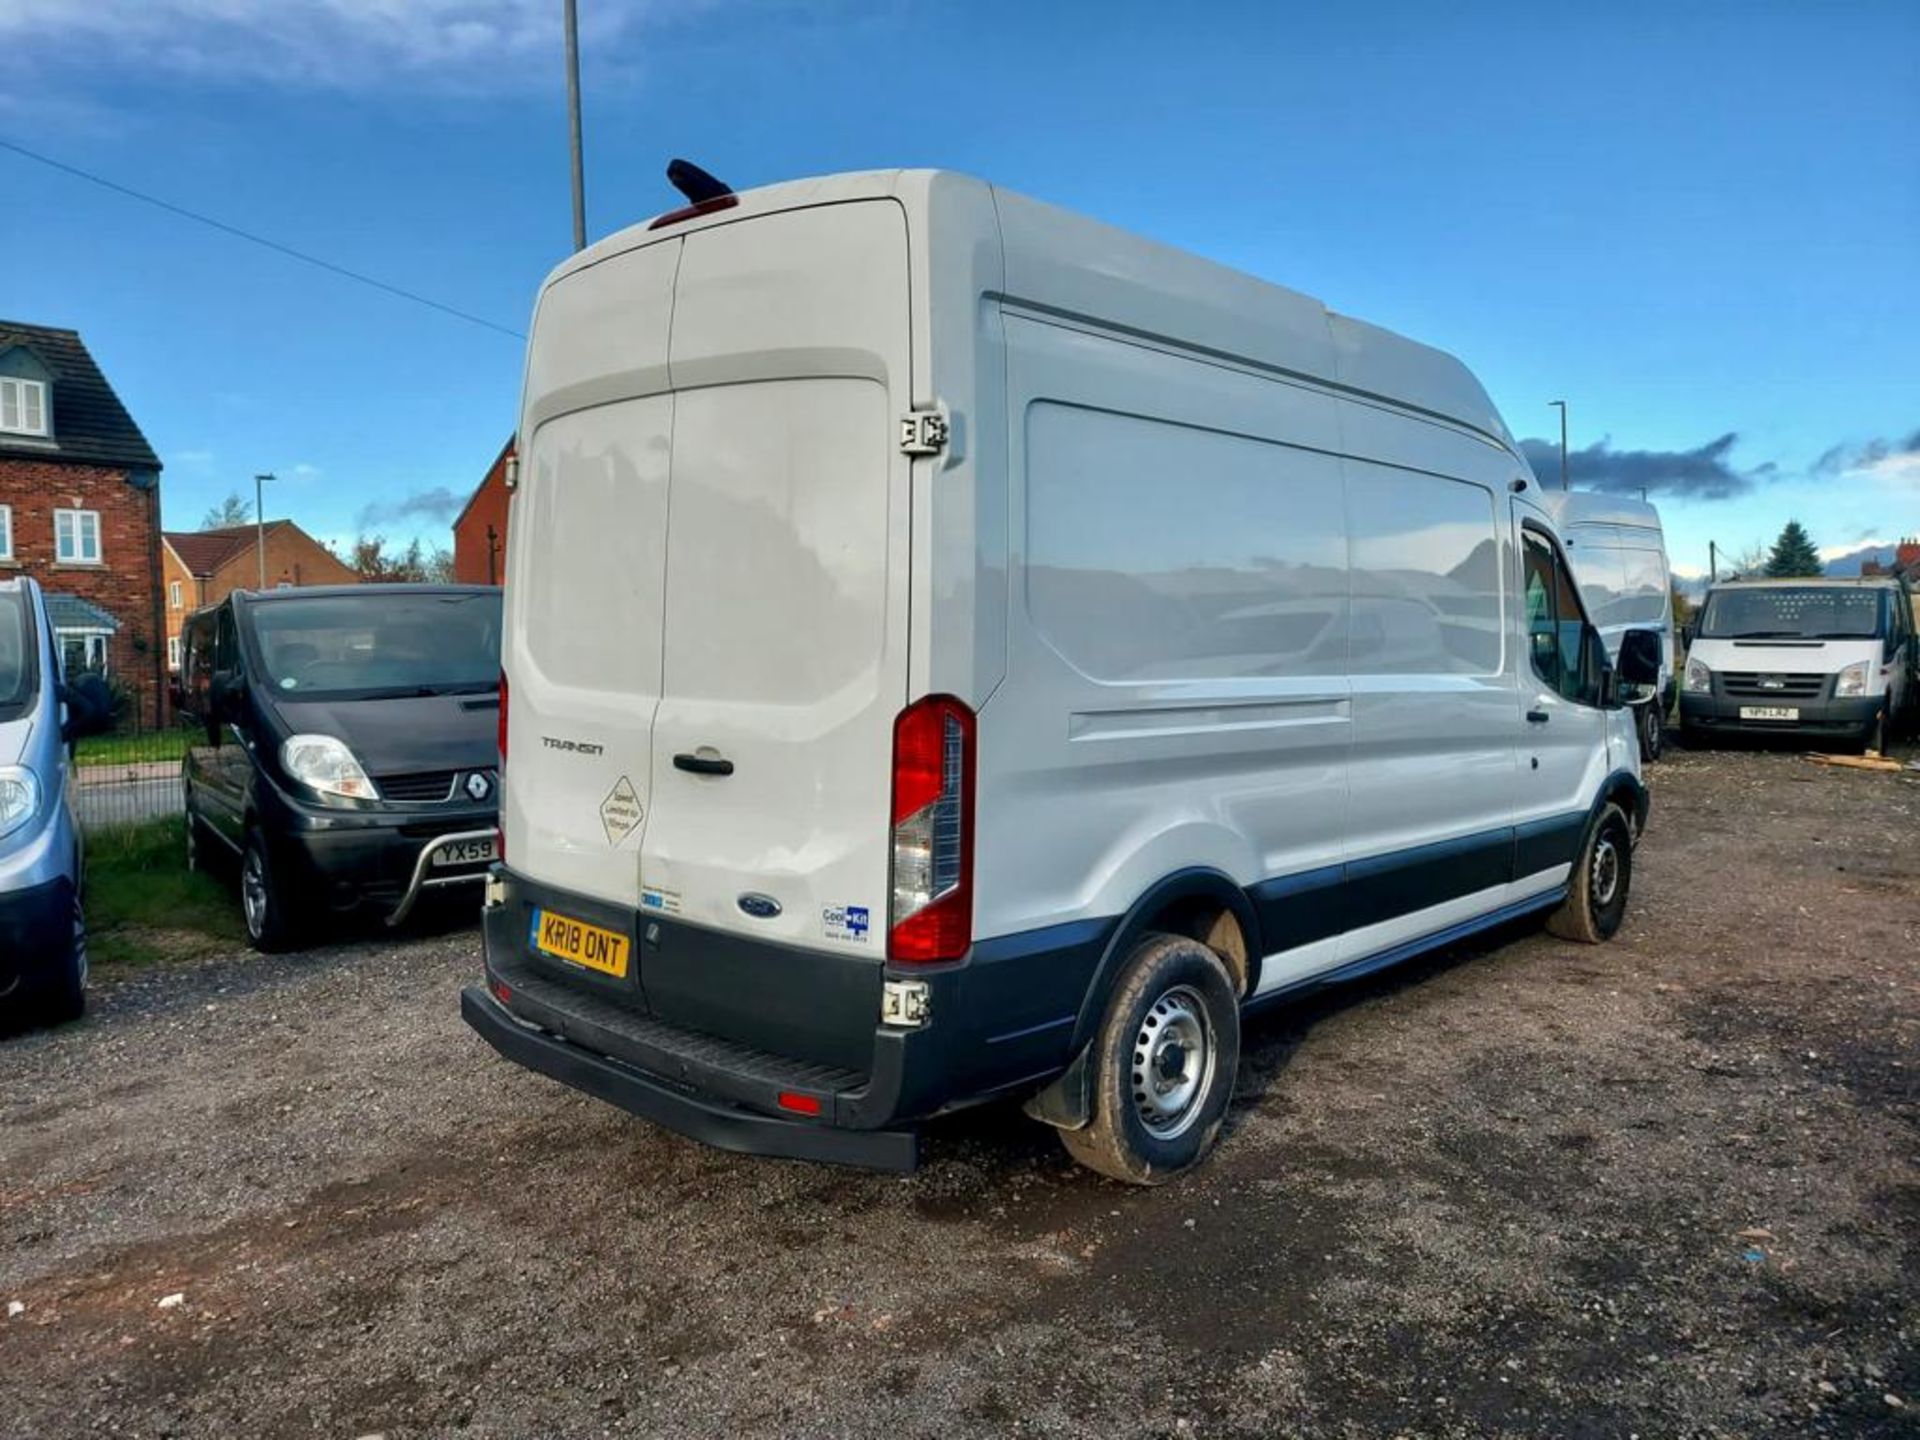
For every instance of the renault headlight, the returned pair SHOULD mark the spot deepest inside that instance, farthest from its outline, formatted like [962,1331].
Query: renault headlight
[1852,680]
[326,766]
[19,798]
[1699,678]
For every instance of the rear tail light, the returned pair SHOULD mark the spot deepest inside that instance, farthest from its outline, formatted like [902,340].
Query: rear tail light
[503,720]
[931,915]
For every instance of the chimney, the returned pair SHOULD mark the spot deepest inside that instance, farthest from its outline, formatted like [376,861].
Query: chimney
[1906,555]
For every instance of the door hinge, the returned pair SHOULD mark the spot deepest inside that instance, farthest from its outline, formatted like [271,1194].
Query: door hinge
[923,432]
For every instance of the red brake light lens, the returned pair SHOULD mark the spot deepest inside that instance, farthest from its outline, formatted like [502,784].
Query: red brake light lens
[694,212]
[931,914]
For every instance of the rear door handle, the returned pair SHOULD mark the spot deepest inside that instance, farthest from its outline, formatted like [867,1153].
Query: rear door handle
[702,764]
[1538,716]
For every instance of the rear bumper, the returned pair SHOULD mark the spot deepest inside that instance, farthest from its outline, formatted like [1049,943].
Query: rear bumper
[713,1121]
[708,1032]
[1821,716]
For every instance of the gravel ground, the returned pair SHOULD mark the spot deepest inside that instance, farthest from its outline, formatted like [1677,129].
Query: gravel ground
[1666,1187]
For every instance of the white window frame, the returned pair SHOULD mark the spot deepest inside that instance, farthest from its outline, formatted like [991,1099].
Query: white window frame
[87,635]
[6,532]
[173,595]
[78,522]
[21,398]
[173,649]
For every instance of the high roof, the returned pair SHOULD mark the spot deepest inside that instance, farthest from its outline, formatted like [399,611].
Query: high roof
[1076,266]
[90,425]
[205,551]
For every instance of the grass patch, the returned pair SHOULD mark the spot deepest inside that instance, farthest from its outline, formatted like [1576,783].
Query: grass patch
[143,904]
[134,748]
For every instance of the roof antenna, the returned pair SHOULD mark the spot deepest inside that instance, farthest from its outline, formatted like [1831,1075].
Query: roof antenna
[694,183]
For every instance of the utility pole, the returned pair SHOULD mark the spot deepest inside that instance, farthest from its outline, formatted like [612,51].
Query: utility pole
[260,524]
[573,127]
[1562,405]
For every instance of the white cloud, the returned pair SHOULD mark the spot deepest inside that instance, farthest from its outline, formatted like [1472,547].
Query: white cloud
[347,44]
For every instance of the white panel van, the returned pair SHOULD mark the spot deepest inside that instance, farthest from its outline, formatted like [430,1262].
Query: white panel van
[956,649]
[1619,556]
[1827,659]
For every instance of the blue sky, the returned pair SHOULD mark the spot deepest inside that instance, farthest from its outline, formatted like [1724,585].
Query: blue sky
[1695,222]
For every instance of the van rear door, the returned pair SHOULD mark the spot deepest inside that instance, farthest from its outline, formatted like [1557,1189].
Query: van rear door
[585,572]
[785,647]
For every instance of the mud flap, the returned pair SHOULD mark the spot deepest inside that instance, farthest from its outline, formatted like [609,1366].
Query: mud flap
[1067,1104]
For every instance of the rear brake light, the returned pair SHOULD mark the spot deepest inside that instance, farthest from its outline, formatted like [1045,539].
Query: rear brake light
[694,212]
[931,914]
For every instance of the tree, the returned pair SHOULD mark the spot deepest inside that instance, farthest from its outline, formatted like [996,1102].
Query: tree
[1793,554]
[378,565]
[229,512]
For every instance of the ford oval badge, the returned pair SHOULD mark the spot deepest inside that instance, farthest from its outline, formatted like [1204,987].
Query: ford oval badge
[760,907]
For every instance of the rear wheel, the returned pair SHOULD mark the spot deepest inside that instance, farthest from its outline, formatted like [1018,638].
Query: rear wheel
[1602,874]
[1164,1062]
[264,902]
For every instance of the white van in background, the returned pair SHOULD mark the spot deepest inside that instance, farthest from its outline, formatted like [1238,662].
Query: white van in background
[1619,556]
[954,648]
[1832,658]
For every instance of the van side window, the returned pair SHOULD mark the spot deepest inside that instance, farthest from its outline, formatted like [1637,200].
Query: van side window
[226,649]
[1557,625]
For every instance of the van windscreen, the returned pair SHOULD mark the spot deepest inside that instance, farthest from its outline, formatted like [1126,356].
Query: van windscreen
[16,656]
[1792,612]
[379,643]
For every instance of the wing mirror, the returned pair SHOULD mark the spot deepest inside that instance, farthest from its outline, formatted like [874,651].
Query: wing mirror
[1639,662]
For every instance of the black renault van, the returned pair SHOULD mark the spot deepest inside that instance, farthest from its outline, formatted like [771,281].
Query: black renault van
[350,757]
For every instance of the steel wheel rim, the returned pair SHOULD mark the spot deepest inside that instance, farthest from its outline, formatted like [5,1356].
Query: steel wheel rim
[1173,1063]
[253,893]
[1605,875]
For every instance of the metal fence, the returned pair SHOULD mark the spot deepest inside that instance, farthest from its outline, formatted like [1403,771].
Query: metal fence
[130,776]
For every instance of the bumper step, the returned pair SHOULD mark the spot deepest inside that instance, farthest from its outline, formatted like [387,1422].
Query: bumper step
[705,1117]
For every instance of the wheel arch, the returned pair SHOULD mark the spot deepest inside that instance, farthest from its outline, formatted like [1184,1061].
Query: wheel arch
[1193,902]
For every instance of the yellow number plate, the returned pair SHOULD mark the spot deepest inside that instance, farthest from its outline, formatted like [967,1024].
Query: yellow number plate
[579,943]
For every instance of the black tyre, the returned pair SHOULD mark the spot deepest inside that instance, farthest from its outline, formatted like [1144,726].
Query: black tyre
[1602,875]
[1164,1062]
[1874,740]
[1653,730]
[270,913]
[65,997]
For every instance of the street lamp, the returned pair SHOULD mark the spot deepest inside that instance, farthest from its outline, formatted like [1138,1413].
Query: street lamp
[572,26]
[1562,406]
[260,524]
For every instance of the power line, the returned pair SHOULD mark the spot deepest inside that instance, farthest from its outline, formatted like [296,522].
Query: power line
[236,231]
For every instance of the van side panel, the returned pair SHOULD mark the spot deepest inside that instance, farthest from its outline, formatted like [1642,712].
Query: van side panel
[1175,695]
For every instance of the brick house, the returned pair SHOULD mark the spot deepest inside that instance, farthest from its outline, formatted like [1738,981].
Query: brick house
[203,567]
[80,509]
[480,530]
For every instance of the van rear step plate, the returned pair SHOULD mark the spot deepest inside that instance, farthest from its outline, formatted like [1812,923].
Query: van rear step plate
[578,943]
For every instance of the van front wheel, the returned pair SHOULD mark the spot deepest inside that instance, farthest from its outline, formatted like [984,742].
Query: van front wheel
[1597,890]
[1164,1062]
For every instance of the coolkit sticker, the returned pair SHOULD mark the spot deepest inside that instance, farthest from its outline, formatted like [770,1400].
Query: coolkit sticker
[620,812]
[845,922]
[665,902]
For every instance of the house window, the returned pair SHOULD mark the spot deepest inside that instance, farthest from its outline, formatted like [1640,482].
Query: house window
[82,651]
[173,594]
[173,644]
[6,532]
[76,537]
[23,406]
